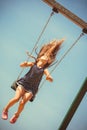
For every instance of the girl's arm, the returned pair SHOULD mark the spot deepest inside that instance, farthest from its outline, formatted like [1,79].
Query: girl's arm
[48,76]
[26,64]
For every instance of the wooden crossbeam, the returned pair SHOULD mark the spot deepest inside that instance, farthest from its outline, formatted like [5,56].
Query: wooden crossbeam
[67,13]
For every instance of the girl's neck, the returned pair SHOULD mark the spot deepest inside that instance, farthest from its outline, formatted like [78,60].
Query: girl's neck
[40,65]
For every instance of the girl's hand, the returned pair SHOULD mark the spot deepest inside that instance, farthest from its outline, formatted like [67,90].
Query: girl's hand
[49,78]
[24,64]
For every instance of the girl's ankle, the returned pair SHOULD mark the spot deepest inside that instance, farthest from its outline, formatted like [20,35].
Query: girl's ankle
[4,109]
[16,114]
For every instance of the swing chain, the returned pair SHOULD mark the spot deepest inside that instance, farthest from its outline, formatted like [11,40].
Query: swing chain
[35,46]
[58,62]
[67,51]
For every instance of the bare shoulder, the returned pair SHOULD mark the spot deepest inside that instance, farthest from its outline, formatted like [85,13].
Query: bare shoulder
[46,71]
[30,63]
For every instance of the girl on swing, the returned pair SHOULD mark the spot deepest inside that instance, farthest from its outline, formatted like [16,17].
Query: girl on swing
[28,85]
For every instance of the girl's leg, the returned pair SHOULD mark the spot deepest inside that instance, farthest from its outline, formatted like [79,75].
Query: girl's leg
[26,97]
[18,94]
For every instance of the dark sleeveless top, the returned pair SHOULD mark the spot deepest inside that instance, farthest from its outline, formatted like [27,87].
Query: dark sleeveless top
[32,79]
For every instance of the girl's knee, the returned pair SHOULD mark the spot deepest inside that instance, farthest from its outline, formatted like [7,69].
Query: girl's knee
[23,102]
[16,99]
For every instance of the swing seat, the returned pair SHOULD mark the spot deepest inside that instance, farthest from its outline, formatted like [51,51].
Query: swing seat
[14,85]
[32,99]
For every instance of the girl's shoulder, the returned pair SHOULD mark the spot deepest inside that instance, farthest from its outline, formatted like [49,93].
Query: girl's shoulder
[31,64]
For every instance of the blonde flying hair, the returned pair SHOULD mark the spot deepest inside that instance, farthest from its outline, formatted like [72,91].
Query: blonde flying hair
[50,50]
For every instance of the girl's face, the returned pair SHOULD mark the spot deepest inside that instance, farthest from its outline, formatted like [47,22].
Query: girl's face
[42,61]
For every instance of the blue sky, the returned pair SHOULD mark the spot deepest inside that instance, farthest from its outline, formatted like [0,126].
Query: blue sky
[21,22]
